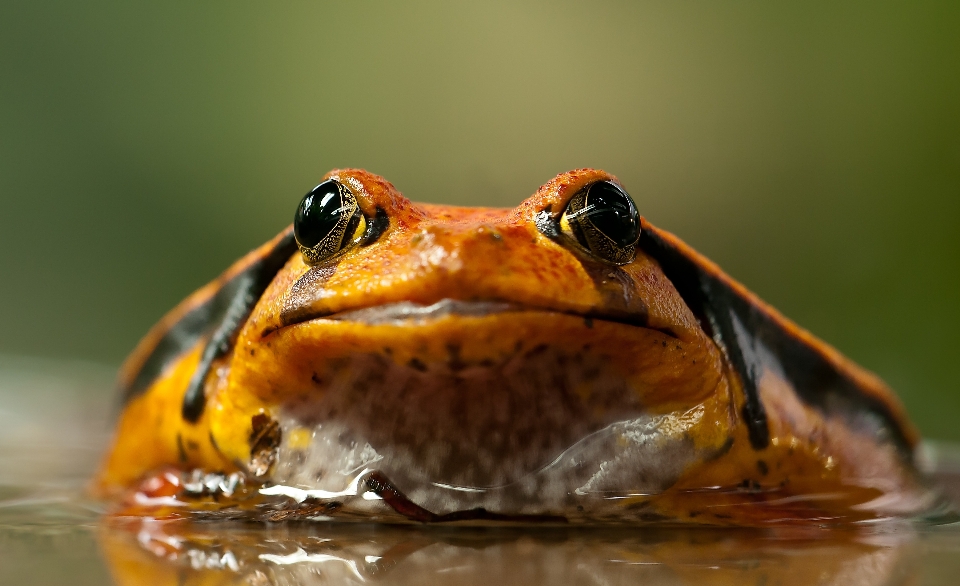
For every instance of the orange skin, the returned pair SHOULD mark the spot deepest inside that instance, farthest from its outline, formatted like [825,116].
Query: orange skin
[431,253]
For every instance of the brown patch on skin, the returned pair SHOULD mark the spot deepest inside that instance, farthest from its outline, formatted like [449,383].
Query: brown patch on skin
[302,288]
[181,453]
[265,439]
[454,362]
[213,441]
[619,290]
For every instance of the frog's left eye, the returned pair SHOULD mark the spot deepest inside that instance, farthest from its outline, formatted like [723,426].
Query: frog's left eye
[327,221]
[603,219]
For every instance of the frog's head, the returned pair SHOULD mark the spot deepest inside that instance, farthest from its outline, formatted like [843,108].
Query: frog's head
[561,357]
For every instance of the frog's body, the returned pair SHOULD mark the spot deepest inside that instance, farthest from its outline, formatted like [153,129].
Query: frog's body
[472,363]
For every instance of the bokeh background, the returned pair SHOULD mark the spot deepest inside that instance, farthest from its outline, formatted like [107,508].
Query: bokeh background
[811,148]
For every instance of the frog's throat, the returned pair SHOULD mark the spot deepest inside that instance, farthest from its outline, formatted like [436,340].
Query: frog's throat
[480,404]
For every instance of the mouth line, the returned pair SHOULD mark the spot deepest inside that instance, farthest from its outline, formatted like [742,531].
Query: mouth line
[405,312]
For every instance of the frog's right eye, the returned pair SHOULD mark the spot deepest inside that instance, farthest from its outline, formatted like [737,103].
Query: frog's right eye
[327,221]
[603,220]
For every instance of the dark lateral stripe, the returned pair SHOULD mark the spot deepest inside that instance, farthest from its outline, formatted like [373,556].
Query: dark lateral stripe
[204,318]
[178,339]
[751,338]
[712,303]
[250,285]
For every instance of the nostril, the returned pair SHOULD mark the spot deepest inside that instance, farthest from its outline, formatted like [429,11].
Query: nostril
[489,232]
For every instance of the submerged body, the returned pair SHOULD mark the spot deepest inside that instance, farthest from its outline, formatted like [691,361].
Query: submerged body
[434,363]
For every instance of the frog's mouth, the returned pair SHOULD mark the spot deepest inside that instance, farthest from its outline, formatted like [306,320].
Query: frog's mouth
[407,310]
[401,311]
[467,404]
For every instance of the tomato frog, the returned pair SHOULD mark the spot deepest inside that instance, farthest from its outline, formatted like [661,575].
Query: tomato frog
[562,361]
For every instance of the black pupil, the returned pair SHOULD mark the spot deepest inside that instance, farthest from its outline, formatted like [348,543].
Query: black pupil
[318,213]
[612,212]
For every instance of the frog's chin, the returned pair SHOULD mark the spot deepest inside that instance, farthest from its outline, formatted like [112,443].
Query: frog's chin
[332,462]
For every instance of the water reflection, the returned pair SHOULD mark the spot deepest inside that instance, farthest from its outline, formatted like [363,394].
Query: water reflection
[140,552]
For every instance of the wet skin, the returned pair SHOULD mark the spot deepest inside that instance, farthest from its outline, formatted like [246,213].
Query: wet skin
[473,359]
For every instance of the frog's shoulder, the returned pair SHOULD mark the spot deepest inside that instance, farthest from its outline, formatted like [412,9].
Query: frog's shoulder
[757,338]
[200,315]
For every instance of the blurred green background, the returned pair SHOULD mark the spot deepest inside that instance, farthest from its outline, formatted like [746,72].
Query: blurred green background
[811,148]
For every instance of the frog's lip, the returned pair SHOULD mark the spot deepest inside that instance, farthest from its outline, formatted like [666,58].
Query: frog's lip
[406,312]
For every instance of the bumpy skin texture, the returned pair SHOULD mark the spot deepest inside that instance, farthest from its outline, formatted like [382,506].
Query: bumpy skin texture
[577,347]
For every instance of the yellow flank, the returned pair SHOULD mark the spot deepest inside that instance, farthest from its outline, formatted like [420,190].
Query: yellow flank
[151,433]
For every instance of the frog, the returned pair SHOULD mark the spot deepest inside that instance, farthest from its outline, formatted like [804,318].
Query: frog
[563,361]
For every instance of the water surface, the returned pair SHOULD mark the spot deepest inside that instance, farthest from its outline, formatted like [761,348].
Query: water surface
[55,420]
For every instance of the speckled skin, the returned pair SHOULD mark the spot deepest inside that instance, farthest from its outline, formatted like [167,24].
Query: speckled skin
[579,312]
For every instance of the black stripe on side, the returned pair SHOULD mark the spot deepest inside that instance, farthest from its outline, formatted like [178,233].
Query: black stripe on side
[247,287]
[753,341]
[183,335]
[202,320]
[715,305]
